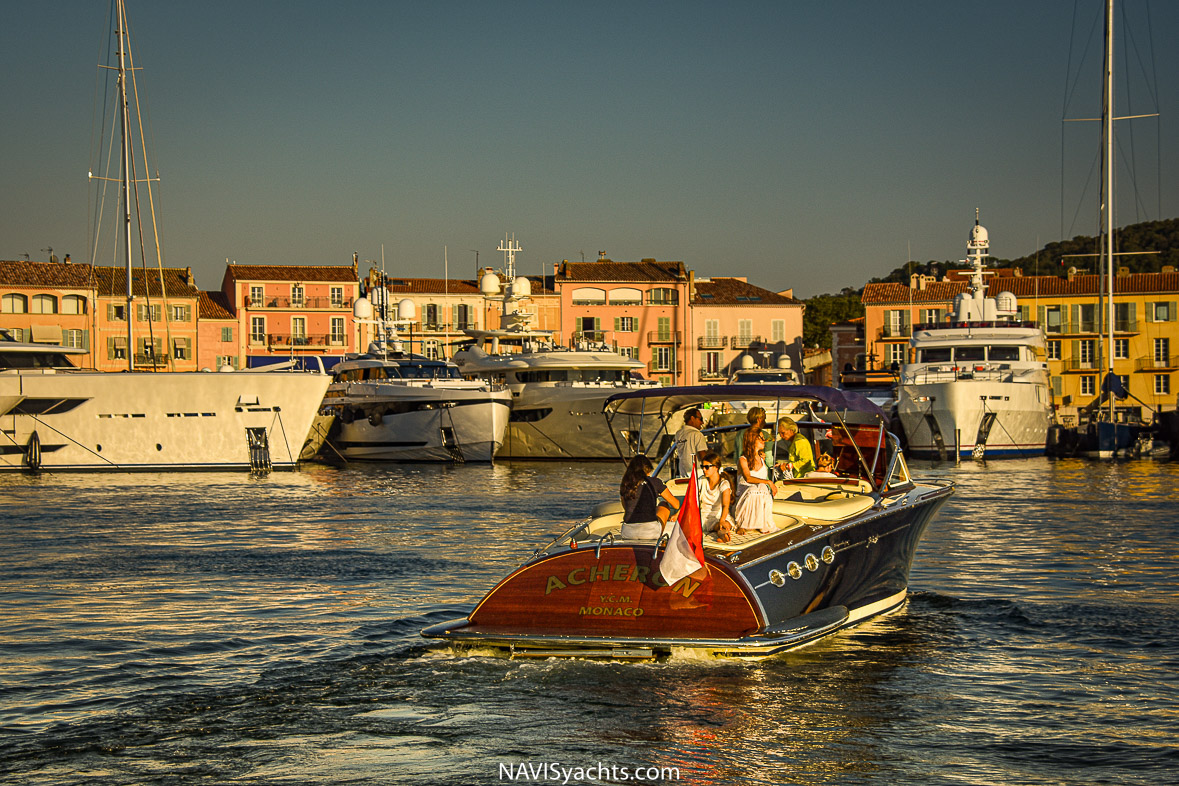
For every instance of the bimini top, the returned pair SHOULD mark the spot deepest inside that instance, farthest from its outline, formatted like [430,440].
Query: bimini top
[664,401]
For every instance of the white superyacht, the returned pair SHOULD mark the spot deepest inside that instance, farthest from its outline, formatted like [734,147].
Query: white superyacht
[557,392]
[976,386]
[393,405]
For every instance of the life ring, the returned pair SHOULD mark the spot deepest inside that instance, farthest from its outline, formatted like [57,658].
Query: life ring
[33,452]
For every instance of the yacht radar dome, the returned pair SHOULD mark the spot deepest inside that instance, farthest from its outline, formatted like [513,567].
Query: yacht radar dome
[406,309]
[521,287]
[489,284]
[362,308]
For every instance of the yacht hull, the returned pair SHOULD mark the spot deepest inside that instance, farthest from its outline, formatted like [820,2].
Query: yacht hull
[452,426]
[155,421]
[610,601]
[996,420]
[563,423]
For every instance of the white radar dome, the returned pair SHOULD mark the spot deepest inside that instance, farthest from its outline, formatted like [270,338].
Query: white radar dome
[978,235]
[746,361]
[1005,301]
[783,361]
[521,287]
[489,283]
[406,309]
[362,308]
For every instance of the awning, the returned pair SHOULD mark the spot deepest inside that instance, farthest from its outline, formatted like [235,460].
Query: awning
[46,334]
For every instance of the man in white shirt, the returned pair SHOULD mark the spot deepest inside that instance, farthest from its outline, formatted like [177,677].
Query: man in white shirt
[689,441]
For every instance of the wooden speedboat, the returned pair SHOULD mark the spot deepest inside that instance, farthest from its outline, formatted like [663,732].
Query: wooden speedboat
[840,555]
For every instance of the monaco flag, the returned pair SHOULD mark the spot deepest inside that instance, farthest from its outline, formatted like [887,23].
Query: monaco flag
[685,545]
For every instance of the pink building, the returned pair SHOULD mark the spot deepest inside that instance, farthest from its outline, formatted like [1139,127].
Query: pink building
[292,311]
[732,320]
[217,333]
[640,308]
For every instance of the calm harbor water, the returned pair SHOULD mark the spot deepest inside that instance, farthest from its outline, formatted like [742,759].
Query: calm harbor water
[223,629]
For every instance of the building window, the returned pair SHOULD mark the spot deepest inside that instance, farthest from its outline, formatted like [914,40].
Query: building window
[257,330]
[431,322]
[1088,385]
[296,296]
[116,313]
[896,353]
[663,358]
[142,310]
[589,296]
[43,304]
[337,296]
[1054,350]
[116,347]
[1121,348]
[1162,352]
[1162,384]
[896,323]
[629,352]
[181,313]
[73,304]
[462,317]
[626,296]
[226,360]
[662,296]
[624,324]
[180,347]
[17,334]
[256,296]
[298,330]
[337,331]
[74,338]
[1052,319]
[665,329]
[931,316]
[1161,312]
[712,364]
[14,304]
[1085,352]
[226,334]
[744,331]
[777,330]
[432,349]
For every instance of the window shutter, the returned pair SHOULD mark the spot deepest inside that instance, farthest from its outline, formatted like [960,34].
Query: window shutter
[617,324]
[110,348]
[1056,387]
[1149,311]
[1076,320]
[1171,311]
[1131,316]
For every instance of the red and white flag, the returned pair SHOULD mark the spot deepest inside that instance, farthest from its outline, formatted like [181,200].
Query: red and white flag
[684,554]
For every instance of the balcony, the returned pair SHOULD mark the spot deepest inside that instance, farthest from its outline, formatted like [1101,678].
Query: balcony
[590,336]
[151,361]
[663,337]
[1084,327]
[657,367]
[706,373]
[744,342]
[898,331]
[287,340]
[1151,363]
[1081,366]
[305,303]
[712,342]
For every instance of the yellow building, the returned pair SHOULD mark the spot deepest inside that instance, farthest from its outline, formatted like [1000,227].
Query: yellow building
[1072,312]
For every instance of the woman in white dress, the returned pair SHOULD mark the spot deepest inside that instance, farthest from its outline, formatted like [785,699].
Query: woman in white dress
[755,501]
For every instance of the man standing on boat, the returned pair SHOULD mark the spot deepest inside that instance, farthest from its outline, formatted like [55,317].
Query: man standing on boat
[689,441]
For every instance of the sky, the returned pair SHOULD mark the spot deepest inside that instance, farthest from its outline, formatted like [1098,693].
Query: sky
[803,145]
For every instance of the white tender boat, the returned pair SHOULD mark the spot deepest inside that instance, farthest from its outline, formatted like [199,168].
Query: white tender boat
[976,385]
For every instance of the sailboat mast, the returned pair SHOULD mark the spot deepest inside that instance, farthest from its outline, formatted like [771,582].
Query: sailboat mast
[125,124]
[1107,203]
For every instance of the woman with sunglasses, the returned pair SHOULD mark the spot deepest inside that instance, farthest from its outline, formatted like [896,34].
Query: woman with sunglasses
[715,494]
[755,495]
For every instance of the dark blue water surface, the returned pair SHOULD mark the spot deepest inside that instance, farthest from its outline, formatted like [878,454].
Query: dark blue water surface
[223,629]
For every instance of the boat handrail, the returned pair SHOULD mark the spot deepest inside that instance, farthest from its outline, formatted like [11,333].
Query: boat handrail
[609,536]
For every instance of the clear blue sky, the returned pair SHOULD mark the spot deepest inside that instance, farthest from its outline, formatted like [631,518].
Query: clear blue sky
[801,144]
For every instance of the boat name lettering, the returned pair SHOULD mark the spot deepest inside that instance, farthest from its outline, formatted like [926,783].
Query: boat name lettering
[619,572]
[606,611]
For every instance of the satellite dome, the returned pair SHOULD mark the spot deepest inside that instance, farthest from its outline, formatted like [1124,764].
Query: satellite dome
[406,309]
[362,308]
[783,361]
[978,235]
[521,287]
[489,283]
[746,361]
[1006,302]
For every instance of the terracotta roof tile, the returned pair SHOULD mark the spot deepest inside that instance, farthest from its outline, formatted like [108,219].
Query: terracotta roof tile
[1022,287]
[112,281]
[56,275]
[609,270]
[214,305]
[734,292]
[295,273]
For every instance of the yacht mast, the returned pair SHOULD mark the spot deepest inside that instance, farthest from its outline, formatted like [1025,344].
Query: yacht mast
[125,125]
[1107,105]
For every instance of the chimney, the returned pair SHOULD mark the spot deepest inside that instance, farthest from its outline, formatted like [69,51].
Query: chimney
[67,259]
[1123,271]
[188,279]
[1168,269]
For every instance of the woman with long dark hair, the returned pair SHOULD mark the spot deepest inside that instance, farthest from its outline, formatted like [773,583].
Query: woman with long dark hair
[755,500]
[647,503]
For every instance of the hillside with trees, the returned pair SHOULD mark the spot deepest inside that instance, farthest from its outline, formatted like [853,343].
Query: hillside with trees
[1053,259]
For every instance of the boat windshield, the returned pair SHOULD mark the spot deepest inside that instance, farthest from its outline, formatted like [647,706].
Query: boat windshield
[574,375]
[37,359]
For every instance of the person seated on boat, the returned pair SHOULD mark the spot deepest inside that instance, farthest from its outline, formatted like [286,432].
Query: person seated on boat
[757,420]
[792,451]
[715,494]
[826,467]
[689,441]
[755,503]
[647,502]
